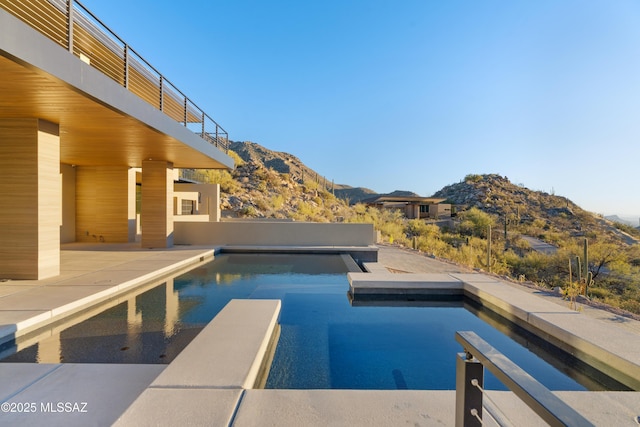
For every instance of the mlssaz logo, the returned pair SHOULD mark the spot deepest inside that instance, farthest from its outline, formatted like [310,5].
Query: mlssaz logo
[66,407]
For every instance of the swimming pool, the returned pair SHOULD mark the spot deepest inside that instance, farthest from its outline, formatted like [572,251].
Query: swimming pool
[325,342]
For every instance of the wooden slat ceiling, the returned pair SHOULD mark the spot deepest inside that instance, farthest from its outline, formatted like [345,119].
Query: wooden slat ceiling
[90,133]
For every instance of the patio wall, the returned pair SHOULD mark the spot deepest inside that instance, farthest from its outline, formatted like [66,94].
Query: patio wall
[272,233]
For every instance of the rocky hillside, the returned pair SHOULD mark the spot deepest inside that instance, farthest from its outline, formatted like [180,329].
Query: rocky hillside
[496,195]
[281,162]
[269,184]
[255,154]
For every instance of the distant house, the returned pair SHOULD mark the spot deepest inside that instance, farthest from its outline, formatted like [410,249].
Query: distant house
[413,207]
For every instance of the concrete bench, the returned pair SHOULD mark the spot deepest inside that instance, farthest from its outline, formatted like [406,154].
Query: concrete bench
[229,351]
[205,382]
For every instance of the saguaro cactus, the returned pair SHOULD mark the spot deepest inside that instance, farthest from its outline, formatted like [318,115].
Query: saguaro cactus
[585,277]
[489,248]
[586,273]
[506,223]
[489,262]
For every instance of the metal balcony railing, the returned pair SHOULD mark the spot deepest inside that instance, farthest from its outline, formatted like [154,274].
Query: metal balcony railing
[75,28]
[471,399]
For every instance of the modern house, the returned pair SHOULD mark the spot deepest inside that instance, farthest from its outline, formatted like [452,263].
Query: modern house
[91,137]
[413,207]
[83,118]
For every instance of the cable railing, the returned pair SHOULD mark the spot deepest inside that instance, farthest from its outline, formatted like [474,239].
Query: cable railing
[472,401]
[75,28]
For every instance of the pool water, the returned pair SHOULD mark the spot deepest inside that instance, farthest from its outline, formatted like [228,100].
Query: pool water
[325,342]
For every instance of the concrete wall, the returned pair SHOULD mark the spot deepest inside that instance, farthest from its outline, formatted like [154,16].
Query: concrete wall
[412,211]
[440,210]
[208,200]
[269,233]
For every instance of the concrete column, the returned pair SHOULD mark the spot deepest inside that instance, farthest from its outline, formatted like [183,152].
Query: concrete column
[49,349]
[214,203]
[157,204]
[134,326]
[172,307]
[31,199]
[133,317]
[105,204]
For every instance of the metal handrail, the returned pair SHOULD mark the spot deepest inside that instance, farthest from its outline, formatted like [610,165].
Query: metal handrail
[70,24]
[544,403]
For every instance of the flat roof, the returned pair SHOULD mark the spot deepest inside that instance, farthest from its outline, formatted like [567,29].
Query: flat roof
[399,199]
[101,122]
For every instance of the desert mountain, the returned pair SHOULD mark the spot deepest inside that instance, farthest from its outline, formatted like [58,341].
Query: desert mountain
[274,184]
[285,163]
[496,195]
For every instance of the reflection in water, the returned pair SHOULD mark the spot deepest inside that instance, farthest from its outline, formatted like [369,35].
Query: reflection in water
[154,323]
[49,350]
[142,327]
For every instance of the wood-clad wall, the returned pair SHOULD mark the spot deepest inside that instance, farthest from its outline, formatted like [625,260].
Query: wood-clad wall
[157,204]
[68,227]
[105,198]
[31,199]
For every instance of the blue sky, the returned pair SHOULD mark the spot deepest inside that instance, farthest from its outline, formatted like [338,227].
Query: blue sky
[414,94]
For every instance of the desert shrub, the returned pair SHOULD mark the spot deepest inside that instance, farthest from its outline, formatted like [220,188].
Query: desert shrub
[521,246]
[472,177]
[554,238]
[277,201]
[475,222]
[305,209]
[390,223]
[262,186]
[310,185]
[599,293]
[631,305]
[534,266]
[236,158]
[273,179]
[430,243]
[249,211]
[327,196]
[416,227]
[393,230]
[510,258]
[617,286]
[223,177]
[465,255]
[263,204]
